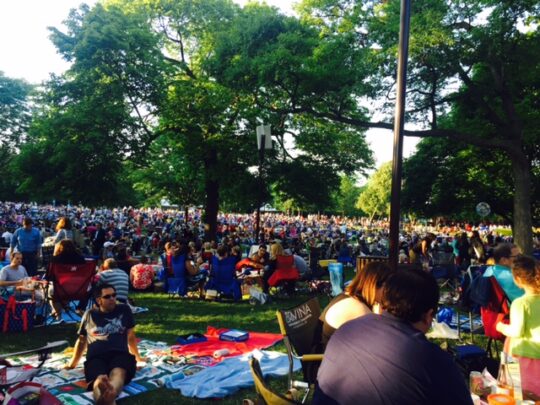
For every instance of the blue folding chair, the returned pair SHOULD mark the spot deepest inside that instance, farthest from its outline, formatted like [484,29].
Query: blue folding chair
[223,278]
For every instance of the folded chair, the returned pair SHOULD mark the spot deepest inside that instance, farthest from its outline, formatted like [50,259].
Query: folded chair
[265,393]
[301,330]
[71,282]
[223,278]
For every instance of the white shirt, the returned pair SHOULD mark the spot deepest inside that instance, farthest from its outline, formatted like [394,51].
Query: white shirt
[7,236]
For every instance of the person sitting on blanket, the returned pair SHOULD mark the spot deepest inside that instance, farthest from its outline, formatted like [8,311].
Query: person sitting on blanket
[14,277]
[108,331]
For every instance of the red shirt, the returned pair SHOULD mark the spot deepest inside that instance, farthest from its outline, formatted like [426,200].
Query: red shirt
[142,276]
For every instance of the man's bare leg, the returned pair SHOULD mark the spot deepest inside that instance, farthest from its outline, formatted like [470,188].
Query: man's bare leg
[104,393]
[117,378]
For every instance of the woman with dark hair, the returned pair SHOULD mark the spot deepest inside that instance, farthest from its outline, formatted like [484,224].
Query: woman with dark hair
[461,250]
[361,298]
[65,252]
[477,249]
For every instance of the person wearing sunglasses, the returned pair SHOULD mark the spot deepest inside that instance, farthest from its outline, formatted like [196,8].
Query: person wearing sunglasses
[107,332]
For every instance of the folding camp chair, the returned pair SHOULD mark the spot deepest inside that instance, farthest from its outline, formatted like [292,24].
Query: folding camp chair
[467,301]
[285,273]
[266,395]
[71,282]
[496,310]
[24,373]
[301,330]
[223,278]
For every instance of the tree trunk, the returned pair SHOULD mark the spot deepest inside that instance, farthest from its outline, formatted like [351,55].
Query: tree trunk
[186,213]
[522,228]
[211,188]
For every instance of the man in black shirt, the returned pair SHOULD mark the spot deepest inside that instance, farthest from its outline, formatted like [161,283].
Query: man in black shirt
[386,359]
[112,355]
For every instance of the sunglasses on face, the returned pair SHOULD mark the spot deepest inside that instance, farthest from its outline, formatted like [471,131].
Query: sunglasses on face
[108,296]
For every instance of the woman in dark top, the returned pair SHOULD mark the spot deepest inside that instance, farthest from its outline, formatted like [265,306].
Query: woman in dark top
[360,298]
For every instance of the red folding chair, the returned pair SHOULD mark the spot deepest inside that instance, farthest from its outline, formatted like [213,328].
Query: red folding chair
[285,271]
[497,310]
[71,282]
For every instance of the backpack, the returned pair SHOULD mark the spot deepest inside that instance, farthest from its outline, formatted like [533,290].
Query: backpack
[476,288]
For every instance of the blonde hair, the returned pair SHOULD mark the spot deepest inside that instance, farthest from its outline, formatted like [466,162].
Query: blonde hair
[276,250]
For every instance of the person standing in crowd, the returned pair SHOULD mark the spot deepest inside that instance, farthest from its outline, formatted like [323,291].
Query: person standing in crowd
[108,331]
[504,255]
[478,251]
[28,240]
[63,230]
[98,239]
[387,359]
[524,327]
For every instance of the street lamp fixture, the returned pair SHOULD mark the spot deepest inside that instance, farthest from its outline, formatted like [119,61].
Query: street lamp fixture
[264,141]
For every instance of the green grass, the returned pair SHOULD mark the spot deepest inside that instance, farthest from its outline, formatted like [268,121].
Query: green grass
[503,231]
[168,318]
[165,321]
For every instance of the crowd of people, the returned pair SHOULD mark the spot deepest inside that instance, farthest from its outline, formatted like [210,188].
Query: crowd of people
[373,334]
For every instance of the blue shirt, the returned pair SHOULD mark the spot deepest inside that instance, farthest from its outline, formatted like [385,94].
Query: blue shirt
[504,277]
[27,240]
[380,359]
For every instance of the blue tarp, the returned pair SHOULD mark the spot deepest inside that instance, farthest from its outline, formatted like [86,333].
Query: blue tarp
[230,375]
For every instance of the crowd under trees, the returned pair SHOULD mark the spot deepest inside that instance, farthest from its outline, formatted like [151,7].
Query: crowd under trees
[162,99]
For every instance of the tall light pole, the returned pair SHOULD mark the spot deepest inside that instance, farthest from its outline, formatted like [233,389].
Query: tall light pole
[264,141]
[399,121]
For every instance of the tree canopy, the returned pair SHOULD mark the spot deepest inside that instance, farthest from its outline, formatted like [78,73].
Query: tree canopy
[166,95]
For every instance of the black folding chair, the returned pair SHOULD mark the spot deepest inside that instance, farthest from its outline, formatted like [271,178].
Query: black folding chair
[301,330]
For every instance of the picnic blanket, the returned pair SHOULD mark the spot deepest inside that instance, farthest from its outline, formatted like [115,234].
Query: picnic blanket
[69,385]
[230,375]
[164,364]
[257,340]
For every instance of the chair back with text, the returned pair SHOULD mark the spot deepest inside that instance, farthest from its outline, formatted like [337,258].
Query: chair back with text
[71,281]
[301,330]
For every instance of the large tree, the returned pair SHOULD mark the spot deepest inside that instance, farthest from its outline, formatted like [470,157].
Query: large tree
[375,198]
[15,118]
[93,117]
[143,87]
[473,76]
[445,178]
